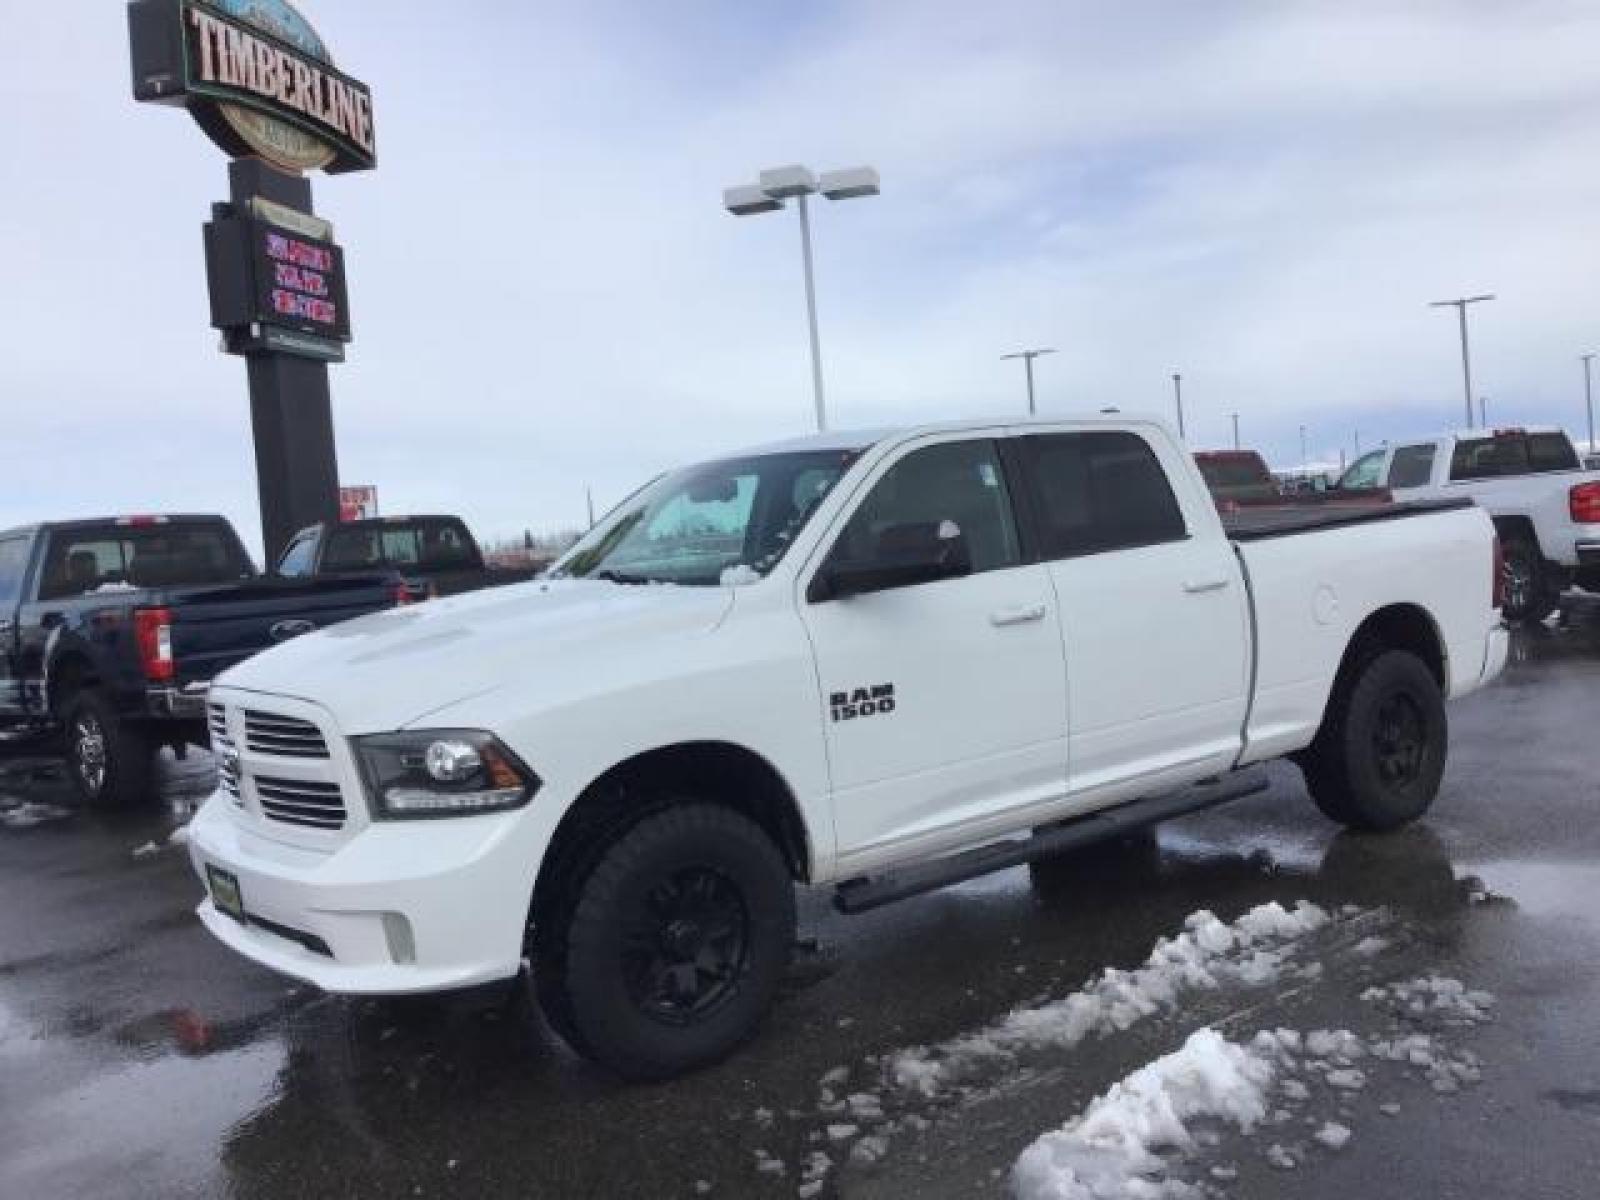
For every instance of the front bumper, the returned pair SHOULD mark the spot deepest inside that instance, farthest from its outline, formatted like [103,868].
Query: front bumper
[187,702]
[399,907]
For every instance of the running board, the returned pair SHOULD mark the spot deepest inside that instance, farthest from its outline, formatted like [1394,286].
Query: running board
[860,895]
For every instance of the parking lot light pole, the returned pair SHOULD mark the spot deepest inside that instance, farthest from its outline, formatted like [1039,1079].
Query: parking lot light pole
[1466,359]
[1177,398]
[797,183]
[1588,397]
[1303,458]
[1235,417]
[1027,357]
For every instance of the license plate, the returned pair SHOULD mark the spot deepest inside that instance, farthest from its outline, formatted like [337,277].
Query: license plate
[225,892]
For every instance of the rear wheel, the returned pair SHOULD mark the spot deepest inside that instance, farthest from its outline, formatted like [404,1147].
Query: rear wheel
[665,953]
[109,762]
[1530,594]
[1377,762]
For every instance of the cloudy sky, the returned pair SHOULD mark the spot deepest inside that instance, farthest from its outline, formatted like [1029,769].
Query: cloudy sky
[547,295]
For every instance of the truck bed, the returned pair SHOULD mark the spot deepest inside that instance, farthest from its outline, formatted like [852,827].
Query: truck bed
[1256,524]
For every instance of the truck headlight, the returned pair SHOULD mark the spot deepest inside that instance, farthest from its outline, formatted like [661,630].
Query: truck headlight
[441,773]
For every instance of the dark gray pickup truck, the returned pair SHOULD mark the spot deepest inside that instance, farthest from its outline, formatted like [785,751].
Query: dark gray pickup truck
[112,629]
[436,556]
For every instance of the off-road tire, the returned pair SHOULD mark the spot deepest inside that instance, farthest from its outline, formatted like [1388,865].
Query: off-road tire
[109,763]
[1378,759]
[1530,594]
[608,934]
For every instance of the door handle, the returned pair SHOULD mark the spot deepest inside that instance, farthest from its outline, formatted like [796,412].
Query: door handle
[1020,615]
[1195,586]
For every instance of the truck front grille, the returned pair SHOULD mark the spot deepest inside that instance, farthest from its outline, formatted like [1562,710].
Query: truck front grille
[222,747]
[301,802]
[285,737]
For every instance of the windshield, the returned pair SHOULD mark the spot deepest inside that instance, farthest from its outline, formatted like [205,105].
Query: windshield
[721,522]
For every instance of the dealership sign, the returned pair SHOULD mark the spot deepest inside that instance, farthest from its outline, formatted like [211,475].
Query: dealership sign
[256,77]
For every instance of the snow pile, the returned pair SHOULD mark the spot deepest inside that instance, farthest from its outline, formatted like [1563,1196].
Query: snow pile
[1208,953]
[29,813]
[739,575]
[1433,998]
[1114,1148]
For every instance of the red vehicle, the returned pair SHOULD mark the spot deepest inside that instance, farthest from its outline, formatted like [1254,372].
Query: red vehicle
[1240,479]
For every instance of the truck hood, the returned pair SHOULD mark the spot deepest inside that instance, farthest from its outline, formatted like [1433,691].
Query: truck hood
[390,669]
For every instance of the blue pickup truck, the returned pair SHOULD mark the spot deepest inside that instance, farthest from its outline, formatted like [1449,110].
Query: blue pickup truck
[112,629]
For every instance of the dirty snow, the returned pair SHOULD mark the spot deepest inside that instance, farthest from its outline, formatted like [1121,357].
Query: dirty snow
[1333,1135]
[1433,997]
[1115,1146]
[29,813]
[1208,954]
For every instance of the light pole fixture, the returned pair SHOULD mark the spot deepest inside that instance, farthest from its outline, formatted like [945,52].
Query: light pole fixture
[1177,398]
[775,188]
[1027,357]
[1466,359]
[1588,397]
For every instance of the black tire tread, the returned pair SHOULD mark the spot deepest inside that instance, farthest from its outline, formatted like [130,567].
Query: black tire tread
[592,875]
[1329,763]
[130,758]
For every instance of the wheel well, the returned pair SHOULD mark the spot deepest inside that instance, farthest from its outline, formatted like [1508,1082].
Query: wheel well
[706,772]
[1398,627]
[67,674]
[1516,529]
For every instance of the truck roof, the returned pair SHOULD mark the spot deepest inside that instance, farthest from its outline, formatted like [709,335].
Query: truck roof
[126,518]
[860,439]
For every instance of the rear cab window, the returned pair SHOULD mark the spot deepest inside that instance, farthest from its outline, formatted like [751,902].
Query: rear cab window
[118,557]
[1098,491]
[1412,466]
[425,544]
[1512,453]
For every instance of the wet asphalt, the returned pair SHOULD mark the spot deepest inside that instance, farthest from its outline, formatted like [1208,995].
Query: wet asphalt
[139,1058]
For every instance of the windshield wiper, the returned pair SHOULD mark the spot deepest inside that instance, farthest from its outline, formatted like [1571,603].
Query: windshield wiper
[619,577]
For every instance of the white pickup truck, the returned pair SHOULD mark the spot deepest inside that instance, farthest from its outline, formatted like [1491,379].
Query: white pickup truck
[884,662]
[1544,504]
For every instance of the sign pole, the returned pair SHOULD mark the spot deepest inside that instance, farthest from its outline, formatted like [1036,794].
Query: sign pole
[291,408]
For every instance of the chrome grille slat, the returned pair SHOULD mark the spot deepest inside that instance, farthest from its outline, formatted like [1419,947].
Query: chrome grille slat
[221,743]
[287,737]
[301,802]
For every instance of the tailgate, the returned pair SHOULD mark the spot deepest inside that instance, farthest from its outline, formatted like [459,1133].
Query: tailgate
[214,629]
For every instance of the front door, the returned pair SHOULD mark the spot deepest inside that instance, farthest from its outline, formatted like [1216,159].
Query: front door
[946,698]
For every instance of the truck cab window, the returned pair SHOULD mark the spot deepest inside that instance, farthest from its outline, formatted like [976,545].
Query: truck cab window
[1412,466]
[13,561]
[296,559]
[957,481]
[1365,472]
[1100,491]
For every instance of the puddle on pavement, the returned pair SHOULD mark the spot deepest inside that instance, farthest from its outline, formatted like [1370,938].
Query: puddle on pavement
[1545,889]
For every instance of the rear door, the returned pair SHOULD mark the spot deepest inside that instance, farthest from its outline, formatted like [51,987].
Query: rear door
[1152,607]
[946,700]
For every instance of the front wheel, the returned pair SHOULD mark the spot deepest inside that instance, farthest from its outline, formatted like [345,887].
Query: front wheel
[109,763]
[1377,762]
[664,956]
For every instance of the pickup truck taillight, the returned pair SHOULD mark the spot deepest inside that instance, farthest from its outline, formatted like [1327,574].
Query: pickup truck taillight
[152,633]
[1584,503]
[401,595]
[1497,589]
